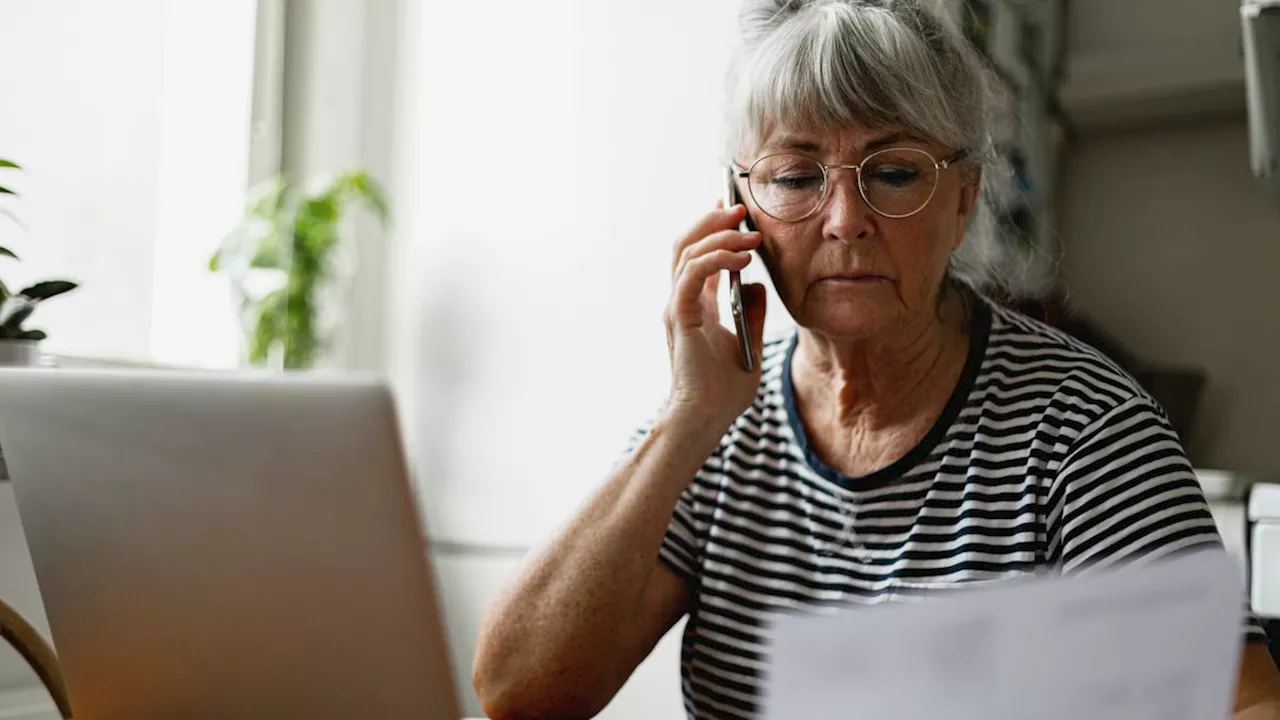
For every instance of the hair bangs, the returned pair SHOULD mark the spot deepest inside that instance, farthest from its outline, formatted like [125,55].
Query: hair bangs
[832,68]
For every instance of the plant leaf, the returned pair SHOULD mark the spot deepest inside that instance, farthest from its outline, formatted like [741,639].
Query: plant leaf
[33,335]
[270,253]
[6,191]
[268,326]
[49,288]
[9,164]
[14,310]
[6,252]
[373,193]
[359,185]
[322,209]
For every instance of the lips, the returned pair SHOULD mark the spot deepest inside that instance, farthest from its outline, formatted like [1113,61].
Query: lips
[854,277]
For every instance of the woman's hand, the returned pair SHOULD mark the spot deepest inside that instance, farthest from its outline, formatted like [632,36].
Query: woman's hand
[707,379]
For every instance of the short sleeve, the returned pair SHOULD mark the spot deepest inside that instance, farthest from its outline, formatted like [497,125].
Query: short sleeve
[1126,493]
[682,544]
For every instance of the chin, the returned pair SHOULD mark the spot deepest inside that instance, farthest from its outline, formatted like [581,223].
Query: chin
[854,319]
[852,312]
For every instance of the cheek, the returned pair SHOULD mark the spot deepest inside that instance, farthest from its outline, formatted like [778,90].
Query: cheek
[951,220]
[920,247]
[945,222]
[787,251]
[790,244]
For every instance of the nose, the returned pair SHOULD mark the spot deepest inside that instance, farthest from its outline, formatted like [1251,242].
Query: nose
[846,214]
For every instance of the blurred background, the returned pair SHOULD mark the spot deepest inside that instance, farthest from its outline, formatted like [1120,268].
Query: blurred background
[494,188]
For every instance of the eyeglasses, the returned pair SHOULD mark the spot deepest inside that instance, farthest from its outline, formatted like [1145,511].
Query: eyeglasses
[895,182]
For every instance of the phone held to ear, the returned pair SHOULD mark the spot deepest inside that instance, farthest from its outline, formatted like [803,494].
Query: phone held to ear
[745,351]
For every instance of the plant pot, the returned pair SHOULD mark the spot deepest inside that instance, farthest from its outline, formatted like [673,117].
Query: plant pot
[17,353]
[20,353]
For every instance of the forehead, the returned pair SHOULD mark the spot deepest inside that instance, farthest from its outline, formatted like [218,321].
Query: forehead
[843,141]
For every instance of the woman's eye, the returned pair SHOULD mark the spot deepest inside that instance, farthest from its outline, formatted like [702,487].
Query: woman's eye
[797,182]
[895,177]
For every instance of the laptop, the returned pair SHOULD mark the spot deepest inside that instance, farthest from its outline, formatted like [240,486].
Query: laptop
[226,545]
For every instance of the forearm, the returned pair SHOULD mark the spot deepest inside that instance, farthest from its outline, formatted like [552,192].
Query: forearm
[1258,685]
[566,621]
[1265,711]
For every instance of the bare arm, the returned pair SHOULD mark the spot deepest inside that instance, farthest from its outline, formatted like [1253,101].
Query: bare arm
[590,606]
[1258,689]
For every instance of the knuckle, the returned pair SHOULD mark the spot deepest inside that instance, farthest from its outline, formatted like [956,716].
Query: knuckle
[687,255]
[715,258]
[684,287]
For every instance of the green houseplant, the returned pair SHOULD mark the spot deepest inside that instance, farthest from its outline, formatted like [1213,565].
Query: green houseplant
[19,344]
[285,256]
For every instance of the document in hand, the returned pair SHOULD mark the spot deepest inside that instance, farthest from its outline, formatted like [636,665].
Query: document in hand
[1159,642]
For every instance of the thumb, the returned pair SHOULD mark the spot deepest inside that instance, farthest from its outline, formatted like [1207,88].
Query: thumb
[754,299]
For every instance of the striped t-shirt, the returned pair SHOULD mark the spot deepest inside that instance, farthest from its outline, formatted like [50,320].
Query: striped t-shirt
[1047,458]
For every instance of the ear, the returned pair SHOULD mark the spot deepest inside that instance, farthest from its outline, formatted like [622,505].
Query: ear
[968,199]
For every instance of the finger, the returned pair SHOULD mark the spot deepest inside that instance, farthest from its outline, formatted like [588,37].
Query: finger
[723,240]
[754,301]
[691,282]
[710,296]
[712,285]
[715,221]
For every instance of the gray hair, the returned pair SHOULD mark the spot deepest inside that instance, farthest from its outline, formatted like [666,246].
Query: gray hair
[823,65]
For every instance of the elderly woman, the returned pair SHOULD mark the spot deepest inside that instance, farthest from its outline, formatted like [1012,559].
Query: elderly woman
[908,437]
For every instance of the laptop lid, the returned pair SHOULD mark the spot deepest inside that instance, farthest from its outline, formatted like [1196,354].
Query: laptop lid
[226,545]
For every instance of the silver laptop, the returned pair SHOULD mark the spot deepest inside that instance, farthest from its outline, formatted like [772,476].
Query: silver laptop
[226,545]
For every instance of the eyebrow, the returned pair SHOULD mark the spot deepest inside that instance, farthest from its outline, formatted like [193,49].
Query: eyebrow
[791,142]
[891,139]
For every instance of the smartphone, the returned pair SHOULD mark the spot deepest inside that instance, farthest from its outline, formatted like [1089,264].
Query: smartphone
[745,351]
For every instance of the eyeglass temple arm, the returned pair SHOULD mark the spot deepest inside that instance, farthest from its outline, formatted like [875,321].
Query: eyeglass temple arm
[944,164]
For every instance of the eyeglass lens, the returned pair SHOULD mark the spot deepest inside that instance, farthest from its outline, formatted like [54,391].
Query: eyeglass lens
[895,182]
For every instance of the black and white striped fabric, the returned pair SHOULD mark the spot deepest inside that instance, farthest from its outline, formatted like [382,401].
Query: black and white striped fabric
[1048,458]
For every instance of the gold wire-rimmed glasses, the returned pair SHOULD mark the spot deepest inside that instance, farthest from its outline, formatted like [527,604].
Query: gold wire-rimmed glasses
[895,182]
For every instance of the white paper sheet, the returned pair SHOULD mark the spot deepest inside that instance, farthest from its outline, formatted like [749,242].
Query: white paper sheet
[1160,642]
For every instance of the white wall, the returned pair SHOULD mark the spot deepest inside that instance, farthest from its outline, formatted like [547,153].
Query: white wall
[132,120]
[548,155]
[550,166]
[1174,248]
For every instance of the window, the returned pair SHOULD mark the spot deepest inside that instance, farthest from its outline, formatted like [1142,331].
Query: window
[132,120]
